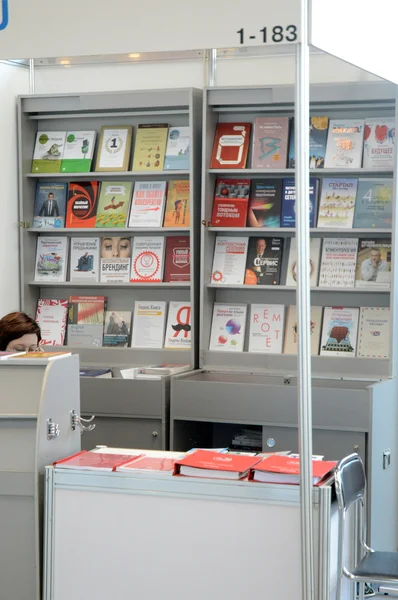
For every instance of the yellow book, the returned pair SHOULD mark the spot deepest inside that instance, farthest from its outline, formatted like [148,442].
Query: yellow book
[177,213]
[150,147]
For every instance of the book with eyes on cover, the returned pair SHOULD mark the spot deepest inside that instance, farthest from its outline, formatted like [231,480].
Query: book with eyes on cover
[115,259]
[338,263]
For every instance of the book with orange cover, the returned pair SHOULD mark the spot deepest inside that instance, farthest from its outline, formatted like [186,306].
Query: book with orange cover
[95,461]
[177,211]
[231,145]
[47,355]
[286,469]
[205,463]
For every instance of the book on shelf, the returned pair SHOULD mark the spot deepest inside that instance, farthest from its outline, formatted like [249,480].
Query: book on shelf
[231,199]
[114,148]
[229,260]
[48,151]
[117,328]
[338,263]
[216,465]
[86,321]
[231,145]
[265,203]
[115,259]
[150,147]
[177,265]
[113,204]
[50,205]
[78,152]
[84,263]
[149,320]
[373,263]
[373,206]
[159,465]
[270,142]
[179,327]
[178,212]
[315,256]
[317,143]
[288,212]
[148,203]
[228,327]
[339,331]
[374,332]
[379,143]
[337,203]
[147,260]
[286,469]
[81,210]
[164,369]
[178,149]
[264,260]
[51,258]
[96,461]
[96,373]
[345,144]
[42,355]
[291,330]
[51,316]
[266,328]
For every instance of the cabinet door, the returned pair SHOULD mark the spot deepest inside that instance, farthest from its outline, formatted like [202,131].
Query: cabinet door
[124,433]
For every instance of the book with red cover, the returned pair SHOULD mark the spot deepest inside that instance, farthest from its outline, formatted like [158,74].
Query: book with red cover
[231,200]
[95,460]
[81,210]
[205,463]
[158,464]
[231,145]
[286,469]
[178,258]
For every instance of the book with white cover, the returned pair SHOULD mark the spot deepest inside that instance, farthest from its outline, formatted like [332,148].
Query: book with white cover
[379,143]
[266,328]
[148,324]
[147,205]
[228,327]
[339,331]
[51,317]
[229,261]
[337,203]
[315,255]
[178,148]
[374,332]
[178,330]
[51,258]
[339,259]
[345,143]
[291,330]
[48,151]
[84,264]
[147,260]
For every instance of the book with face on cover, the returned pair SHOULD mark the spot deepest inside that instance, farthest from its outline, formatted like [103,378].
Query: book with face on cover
[84,264]
[270,142]
[231,145]
[78,152]
[178,151]
[373,206]
[266,328]
[178,330]
[264,260]
[338,263]
[51,316]
[147,205]
[228,327]
[150,147]
[48,151]
[379,143]
[50,205]
[148,324]
[292,329]
[115,259]
[51,258]
[117,328]
[374,332]
[230,204]
[374,263]
[345,143]
[315,256]
[114,148]
[229,260]
[337,203]
[113,204]
[339,331]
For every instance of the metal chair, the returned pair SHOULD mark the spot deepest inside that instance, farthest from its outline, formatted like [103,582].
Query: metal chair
[374,567]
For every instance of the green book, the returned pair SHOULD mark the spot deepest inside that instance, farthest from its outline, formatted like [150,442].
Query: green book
[78,152]
[48,152]
[113,204]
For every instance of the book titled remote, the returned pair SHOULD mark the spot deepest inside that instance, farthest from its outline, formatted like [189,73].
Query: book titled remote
[205,463]
[285,469]
[94,461]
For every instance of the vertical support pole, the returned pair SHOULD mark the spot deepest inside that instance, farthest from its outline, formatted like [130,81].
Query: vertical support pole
[393,371]
[31,76]
[211,64]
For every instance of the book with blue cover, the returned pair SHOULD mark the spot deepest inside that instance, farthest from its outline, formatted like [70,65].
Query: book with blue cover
[373,207]
[265,203]
[178,149]
[50,205]
[288,216]
[318,139]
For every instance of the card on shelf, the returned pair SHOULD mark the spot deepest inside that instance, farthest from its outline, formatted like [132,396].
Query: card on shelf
[374,332]
[114,148]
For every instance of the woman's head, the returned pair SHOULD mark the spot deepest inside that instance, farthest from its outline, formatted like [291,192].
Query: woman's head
[19,333]
[115,247]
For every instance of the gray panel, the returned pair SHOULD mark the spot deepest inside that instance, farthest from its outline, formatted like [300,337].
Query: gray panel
[23,395]
[125,433]
[17,445]
[13,483]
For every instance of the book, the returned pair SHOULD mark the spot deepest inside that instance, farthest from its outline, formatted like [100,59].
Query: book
[114,148]
[265,203]
[177,265]
[374,332]
[266,328]
[150,147]
[178,330]
[373,206]
[98,461]
[229,260]
[78,151]
[379,143]
[231,145]
[337,203]
[270,141]
[228,327]
[163,465]
[230,204]
[148,203]
[51,258]
[86,321]
[216,465]
[84,262]
[315,256]
[113,204]
[339,331]
[117,328]
[51,315]
[40,355]
[50,205]
[317,145]
[164,369]
[286,469]
[374,263]
[178,149]
[115,259]
[147,260]
[177,211]
[291,330]
[81,208]
[148,324]
[264,259]
[344,145]
[288,212]
[48,151]
[97,373]
[338,263]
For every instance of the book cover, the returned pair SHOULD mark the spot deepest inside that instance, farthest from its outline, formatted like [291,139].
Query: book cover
[48,151]
[338,263]
[231,200]
[114,148]
[150,147]
[337,203]
[84,259]
[113,204]
[115,259]
[51,317]
[286,469]
[344,145]
[264,260]
[266,328]
[291,330]
[178,150]
[379,143]
[265,203]
[117,328]
[148,324]
[51,258]
[315,256]
[339,331]
[374,332]
[228,327]
[231,145]
[94,461]
[86,321]
[148,203]
[318,139]
[373,206]
[50,205]
[81,209]
[152,464]
[207,463]
[178,258]
[373,263]
[78,152]
[177,212]
[178,330]
[229,260]
[147,260]
[270,140]
[288,216]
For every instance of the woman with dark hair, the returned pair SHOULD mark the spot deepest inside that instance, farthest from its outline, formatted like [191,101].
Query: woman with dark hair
[19,333]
